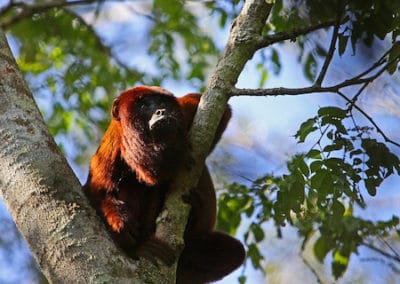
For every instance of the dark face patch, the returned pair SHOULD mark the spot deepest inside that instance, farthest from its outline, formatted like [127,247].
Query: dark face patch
[158,117]
[154,134]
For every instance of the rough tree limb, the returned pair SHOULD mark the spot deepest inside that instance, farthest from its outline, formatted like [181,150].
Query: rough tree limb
[243,41]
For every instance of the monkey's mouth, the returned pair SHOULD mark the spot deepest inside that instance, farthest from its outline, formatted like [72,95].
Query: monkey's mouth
[166,129]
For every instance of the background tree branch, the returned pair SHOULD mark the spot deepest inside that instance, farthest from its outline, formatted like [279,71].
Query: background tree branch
[358,79]
[268,40]
[331,51]
[25,10]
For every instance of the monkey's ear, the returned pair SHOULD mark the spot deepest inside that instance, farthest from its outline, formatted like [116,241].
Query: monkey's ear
[115,109]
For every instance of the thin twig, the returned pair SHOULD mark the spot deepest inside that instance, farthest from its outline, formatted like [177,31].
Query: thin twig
[370,119]
[390,247]
[383,261]
[377,74]
[355,98]
[382,252]
[105,48]
[356,80]
[308,264]
[293,34]
[378,63]
[298,91]
[331,52]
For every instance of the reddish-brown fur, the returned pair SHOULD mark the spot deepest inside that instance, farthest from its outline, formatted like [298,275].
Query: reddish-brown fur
[130,174]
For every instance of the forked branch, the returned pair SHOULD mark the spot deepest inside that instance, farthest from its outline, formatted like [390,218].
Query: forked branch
[356,80]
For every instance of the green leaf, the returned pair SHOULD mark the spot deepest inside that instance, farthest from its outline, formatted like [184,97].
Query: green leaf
[338,210]
[334,112]
[277,66]
[316,166]
[258,232]
[371,184]
[343,39]
[321,51]
[264,75]
[394,58]
[321,248]
[314,154]
[310,67]
[303,167]
[318,179]
[333,147]
[306,128]
[255,256]
[339,264]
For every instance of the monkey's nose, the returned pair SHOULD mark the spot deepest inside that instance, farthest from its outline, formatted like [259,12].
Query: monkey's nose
[158,115]
[160,111]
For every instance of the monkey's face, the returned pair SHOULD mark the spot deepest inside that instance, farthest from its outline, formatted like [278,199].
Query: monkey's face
[160,116]
[153,131]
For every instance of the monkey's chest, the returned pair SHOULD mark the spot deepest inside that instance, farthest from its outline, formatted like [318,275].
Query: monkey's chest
[143,204]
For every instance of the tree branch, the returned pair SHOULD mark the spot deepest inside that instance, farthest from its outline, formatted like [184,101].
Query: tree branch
[241,46]
[28,10]
[331,52]
[369,118]
[105,48]
[356,80]
[293,34]
[311,268]
[336,89]
[305,90]
[382,252]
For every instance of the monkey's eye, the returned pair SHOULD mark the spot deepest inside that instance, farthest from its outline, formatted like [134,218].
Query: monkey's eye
[144,103]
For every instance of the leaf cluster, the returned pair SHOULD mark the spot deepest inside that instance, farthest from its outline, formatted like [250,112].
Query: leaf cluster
[362,23]
[175,34]
[321,193]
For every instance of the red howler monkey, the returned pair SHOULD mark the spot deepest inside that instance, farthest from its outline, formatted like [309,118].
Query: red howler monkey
[141,151]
